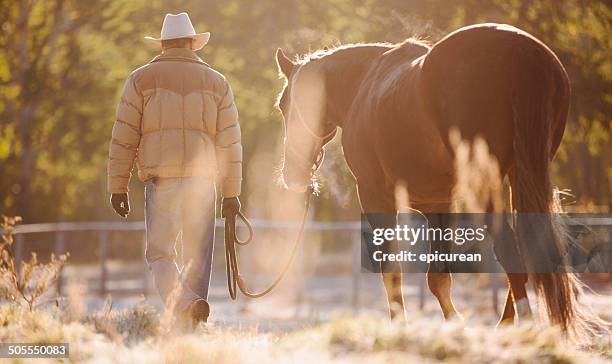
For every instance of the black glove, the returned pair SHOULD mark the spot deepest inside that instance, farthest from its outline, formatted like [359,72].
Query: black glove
[230,206]
[121,204]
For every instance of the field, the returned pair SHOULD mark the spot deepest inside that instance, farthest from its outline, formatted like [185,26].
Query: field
[139,334]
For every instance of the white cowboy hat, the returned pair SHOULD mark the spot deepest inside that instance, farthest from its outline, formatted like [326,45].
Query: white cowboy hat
[179,26]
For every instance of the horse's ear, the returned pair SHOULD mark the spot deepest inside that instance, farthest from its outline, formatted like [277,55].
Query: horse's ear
[285,65]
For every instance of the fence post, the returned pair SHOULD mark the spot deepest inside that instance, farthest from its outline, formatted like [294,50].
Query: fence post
[145,272]
[300,276]
[103,236]
[18,252]
[494,292]
[356,268]
[422,279]
[60,248]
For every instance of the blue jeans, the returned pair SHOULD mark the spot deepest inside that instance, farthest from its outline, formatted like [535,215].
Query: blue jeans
[180,206]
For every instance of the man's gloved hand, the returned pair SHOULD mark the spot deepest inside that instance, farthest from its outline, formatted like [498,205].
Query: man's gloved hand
[230,206]
[121,204]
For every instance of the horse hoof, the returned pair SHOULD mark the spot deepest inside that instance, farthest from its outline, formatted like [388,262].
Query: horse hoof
[454,316]
[509,321]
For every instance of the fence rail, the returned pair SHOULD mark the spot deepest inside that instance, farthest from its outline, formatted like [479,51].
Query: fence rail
[140,226]
[257,223]
[104,228]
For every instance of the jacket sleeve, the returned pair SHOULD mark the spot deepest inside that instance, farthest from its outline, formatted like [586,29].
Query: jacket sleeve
[125,138]
[228,146]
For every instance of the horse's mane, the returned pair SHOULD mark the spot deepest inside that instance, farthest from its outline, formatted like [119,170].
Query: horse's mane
[346,52]
[328,51]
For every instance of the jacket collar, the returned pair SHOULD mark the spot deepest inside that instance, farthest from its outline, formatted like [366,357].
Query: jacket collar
[178,54]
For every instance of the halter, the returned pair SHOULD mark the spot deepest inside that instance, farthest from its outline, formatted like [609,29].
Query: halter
[310,131]
[305,162]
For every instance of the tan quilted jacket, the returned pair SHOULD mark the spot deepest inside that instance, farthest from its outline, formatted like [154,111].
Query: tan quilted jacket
[176,118]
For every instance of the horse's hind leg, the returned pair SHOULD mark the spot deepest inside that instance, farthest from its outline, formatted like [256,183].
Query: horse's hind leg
[518,283]
[507,253]
[507,316]
[381,213]
[517,294]
[439,278]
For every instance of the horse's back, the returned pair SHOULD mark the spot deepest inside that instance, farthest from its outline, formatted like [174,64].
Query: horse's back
[386,135]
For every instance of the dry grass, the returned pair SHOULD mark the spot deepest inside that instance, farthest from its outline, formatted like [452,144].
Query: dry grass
[135,335]
[26,282]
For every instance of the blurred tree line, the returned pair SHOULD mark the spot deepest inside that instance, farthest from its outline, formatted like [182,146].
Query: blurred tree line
[63,62]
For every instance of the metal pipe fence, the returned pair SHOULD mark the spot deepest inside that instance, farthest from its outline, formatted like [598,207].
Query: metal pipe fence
[103,229]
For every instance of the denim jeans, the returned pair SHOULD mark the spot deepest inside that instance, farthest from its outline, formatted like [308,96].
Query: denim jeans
[186,207]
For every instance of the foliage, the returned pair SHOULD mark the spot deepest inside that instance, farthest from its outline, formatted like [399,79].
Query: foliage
[62,64]
[28,281]
[130,325]
[363,338]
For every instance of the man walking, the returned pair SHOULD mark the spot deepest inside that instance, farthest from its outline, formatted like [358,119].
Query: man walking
[177,119]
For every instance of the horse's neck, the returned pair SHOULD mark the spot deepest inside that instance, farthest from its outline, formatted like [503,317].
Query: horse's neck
[344,72]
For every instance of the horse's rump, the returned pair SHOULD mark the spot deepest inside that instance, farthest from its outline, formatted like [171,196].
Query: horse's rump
[503,85]
[470,81]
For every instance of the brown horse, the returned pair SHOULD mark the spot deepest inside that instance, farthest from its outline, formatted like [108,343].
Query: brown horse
[396,105]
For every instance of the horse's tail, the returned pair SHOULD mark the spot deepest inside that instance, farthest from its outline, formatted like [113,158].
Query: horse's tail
[541,91]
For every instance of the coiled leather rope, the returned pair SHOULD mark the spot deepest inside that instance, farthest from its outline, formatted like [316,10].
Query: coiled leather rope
[234,278]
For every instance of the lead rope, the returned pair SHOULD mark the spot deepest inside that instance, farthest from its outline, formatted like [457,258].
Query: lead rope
[234,279]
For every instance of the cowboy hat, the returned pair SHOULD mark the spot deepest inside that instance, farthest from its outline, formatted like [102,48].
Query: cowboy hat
[179,26]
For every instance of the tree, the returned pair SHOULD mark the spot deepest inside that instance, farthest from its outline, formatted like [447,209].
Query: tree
[62,64]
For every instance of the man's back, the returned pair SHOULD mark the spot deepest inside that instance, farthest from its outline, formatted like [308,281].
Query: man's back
[178,116]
